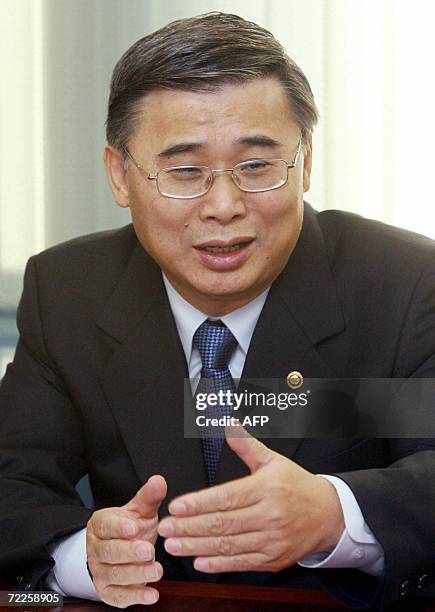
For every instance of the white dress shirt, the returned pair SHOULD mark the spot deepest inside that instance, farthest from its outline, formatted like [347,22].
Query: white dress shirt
[357,548]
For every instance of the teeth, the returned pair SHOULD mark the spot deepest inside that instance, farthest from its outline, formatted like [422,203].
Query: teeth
[228,249]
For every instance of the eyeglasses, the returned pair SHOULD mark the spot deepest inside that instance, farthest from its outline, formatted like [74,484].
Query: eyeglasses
[252,176]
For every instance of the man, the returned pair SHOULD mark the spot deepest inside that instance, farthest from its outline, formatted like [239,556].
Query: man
[225,273]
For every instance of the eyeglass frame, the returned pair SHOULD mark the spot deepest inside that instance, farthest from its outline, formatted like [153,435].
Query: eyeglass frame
[150,177]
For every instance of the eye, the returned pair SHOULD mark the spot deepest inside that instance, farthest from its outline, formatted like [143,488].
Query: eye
[253,166]
[183,173]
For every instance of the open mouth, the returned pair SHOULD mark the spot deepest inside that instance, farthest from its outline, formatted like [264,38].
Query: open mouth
[228,246]
[226,249]
[224,256]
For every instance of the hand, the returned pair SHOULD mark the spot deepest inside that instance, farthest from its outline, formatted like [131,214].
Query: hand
[263,522]
[120,547]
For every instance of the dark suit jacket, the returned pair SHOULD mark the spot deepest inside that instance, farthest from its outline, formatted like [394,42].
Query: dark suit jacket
[97,386]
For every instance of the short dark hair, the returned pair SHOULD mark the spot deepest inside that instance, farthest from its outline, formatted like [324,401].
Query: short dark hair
[201,53]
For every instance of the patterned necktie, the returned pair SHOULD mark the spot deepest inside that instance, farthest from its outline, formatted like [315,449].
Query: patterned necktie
[215,344]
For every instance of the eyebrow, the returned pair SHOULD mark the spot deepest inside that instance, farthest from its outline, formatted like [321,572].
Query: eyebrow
[258,140]
[182,147]
[189,147]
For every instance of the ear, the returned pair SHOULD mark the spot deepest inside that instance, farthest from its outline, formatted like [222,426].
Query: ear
[117,174]
[307,162]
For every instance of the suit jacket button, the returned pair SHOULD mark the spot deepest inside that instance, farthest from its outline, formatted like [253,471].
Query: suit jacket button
[27,587]
[422,581]
[405,587]
[19,579]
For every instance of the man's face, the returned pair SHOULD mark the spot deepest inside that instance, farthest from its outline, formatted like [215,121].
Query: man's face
[216,129]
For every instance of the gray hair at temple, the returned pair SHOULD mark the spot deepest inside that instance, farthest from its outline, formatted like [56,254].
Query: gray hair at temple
[201,53]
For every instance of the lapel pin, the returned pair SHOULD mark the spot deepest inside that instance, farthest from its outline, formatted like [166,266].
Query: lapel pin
[295,380]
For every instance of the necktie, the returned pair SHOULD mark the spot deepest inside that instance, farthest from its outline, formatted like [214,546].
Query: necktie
[216,345]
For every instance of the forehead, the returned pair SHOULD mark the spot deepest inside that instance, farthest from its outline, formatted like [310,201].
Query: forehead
[213,118]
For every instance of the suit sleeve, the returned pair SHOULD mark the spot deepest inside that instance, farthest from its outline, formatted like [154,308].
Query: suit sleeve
[398,501]
[42,454]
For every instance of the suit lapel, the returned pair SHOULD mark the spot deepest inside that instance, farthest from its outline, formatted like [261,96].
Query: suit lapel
[302,310]
[143,380]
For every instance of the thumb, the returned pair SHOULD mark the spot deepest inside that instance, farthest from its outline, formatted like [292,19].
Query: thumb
[149,497]
[251,451]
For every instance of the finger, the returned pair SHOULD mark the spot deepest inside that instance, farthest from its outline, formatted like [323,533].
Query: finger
[149,497]
[239,493]
[251,451]
[215,523]
[121,597]
[128,573]
[250,562]
[120,551]
[118,523]
[217,545]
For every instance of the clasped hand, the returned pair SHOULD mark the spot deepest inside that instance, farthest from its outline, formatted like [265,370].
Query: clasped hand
[266,521]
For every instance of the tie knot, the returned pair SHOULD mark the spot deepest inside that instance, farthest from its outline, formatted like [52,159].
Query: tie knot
[215,344]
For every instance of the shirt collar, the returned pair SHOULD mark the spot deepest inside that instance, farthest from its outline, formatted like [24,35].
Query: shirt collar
[240,322]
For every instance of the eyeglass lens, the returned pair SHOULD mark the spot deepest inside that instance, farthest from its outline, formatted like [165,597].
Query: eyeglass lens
[253,176]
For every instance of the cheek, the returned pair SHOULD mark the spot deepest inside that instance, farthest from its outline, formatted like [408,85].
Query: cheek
[281,234]
[161,230]
[280,222]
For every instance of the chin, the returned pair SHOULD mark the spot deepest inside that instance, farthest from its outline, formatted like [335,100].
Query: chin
[225,287]
[232,296]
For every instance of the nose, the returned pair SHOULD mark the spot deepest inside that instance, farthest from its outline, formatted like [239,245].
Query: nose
[224,201]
